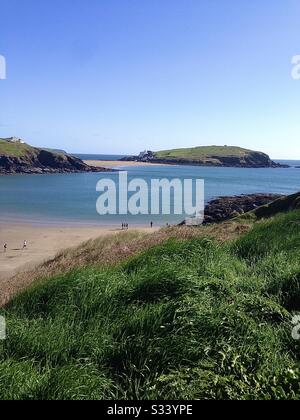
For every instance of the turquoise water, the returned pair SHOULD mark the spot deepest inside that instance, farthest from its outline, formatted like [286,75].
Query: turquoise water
[71,198]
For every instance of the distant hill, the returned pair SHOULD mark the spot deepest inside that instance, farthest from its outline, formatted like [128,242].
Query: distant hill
[19,157]
[226,156]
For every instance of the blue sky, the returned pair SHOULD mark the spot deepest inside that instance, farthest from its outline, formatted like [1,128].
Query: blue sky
[120,76]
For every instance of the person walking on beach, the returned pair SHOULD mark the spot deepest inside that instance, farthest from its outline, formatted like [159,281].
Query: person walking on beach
[25,244]
[151,225]
[5,247]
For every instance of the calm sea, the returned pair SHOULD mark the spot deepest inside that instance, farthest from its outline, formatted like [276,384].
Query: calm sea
[71,198]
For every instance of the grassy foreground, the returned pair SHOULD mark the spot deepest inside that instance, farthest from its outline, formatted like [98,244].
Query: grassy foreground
[193,319]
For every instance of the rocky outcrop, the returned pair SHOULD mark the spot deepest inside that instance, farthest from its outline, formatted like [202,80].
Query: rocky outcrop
[39,161]
[249,207]
[226,208]
[282,205]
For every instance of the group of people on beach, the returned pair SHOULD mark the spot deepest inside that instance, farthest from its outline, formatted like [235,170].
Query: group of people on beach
[125,226]
[5,246]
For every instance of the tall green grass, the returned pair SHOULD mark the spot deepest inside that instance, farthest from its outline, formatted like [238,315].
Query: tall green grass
[185,320]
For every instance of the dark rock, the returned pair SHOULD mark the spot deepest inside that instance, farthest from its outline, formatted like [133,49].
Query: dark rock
[40,161]
[281,205]
[226,208]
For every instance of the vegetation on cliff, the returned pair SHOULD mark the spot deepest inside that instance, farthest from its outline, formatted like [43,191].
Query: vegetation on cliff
[17,157]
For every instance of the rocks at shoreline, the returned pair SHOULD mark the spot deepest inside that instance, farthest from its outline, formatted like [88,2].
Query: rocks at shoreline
[46,165]
[226,208]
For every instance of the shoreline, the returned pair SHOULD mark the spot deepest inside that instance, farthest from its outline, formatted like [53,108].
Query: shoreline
[73,224]
[44,222]
[46,239]
[114,164]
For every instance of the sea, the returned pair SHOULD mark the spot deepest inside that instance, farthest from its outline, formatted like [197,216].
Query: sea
[70,199]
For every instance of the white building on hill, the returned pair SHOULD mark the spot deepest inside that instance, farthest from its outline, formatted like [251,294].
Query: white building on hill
[14,140]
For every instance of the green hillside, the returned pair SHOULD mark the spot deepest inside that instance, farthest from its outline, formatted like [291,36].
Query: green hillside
[14,149]
[229,156]
[21,158]
[188,319]
[200,153]
[22,149]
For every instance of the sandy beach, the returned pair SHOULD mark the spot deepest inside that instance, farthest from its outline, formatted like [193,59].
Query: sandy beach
[119,163]
[43,243]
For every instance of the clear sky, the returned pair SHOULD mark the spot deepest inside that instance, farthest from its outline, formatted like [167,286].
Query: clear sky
[121,76]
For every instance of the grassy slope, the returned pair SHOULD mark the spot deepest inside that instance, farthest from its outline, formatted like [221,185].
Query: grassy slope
[200,153]
[14,149]
[22,150]
[186,319]
[110,250]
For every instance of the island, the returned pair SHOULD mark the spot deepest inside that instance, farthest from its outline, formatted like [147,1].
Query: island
[18,157]
[219,156]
